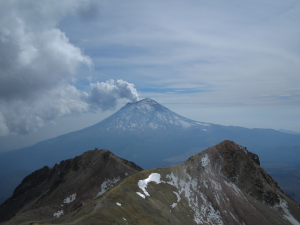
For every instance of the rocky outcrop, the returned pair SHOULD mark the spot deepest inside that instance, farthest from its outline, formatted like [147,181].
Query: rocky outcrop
[222,185]
[52,192]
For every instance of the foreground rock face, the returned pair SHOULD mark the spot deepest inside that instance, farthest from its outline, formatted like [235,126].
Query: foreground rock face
[52,192]
[221,185]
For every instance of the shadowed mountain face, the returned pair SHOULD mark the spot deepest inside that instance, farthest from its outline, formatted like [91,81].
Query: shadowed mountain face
[67,186]
[221,185]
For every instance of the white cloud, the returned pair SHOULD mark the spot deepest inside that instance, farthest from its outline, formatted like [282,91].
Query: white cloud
[37,61]
[105,95]
[35,55]
[21,117]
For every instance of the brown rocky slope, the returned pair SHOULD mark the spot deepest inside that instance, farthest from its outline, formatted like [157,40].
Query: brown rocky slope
[52,192]
[221,185]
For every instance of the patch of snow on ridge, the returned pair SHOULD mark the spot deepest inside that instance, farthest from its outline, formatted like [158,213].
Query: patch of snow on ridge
[178,199]
[185,124]
[173,180]
[212,216]
[58,214]
[70,199]
[233,217]
[243,148]
[153,177]
[107,184]
[203,124]
[205,160]
[140,194]
[188,186]
[236,190]
[215,185]
[288,215]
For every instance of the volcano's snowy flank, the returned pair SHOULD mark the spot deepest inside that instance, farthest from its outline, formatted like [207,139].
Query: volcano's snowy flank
[148,114]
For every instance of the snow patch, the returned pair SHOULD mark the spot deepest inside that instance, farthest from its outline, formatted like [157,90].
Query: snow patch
[58,214]
[119,204]
[174,205]
[234,217]
[189,187]
[283,204]
[204,182]
[178,199]
[205,160]
[217,197]
[140,194]
[243,148]
[184,124]
[70,199]
[215,185]
[153,177]
[107,184]
[173,180]
[203,124]
[236,190]
[212,216]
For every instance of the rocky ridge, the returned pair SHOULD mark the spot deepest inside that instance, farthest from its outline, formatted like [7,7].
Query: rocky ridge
[52,192]
[221,185]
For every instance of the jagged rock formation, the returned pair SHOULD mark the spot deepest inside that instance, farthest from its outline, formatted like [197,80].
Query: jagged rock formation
[52,192]
[221,185]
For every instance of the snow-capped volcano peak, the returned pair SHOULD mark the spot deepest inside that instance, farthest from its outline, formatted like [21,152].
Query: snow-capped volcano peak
[148,114]
[145,105]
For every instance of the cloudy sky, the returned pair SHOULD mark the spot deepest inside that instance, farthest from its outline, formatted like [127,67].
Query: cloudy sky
[67,64]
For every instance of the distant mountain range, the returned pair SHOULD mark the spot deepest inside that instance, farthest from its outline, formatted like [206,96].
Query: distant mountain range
[288,131]
[222,185]
[152,136]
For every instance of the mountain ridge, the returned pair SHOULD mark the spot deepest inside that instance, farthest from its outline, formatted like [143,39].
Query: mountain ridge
[223,184]
[75,181]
